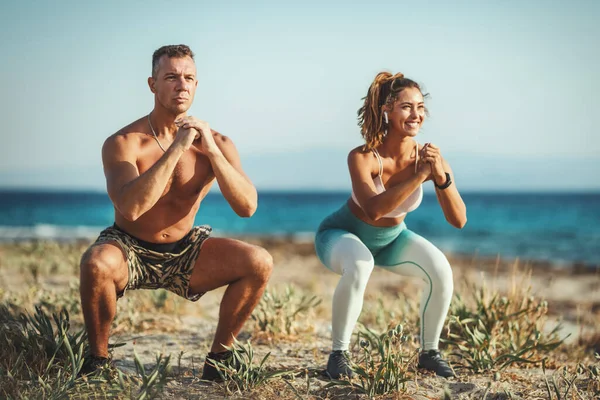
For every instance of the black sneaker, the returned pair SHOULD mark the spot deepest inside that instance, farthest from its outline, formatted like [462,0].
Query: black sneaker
[339,364]
[92,364]
[210,372]
[431,360]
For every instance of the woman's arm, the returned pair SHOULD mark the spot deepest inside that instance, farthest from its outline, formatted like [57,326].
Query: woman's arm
[376,205]
[452,204]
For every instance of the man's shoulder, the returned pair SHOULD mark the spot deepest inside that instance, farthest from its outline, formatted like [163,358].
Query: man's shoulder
[220,139]
[127,138]
[218,135]
[131,134]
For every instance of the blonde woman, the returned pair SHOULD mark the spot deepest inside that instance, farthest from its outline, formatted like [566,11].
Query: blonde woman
[387,174]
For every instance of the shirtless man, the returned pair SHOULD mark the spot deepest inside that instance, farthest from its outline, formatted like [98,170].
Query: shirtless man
[158,170]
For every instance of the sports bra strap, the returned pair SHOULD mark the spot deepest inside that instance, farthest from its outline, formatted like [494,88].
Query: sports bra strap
[380,162]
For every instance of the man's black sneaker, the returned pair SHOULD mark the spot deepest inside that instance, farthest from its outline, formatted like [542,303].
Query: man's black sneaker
[92,364]
[432,361]
[210,371]
[339,364]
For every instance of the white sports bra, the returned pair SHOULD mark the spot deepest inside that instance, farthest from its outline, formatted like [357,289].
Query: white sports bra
[411,203]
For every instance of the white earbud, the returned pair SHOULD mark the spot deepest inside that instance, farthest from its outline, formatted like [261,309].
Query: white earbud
[386,117]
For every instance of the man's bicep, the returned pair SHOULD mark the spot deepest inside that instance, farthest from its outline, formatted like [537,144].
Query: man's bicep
[231,154]
[119,167]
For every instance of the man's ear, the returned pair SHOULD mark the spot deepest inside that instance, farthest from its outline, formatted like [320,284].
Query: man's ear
[151,84]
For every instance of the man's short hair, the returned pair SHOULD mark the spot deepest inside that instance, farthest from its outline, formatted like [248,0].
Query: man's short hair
[171,51]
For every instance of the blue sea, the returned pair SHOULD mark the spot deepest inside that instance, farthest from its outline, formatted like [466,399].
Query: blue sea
[561,228]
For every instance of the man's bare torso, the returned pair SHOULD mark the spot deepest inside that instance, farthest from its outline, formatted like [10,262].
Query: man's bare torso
[173,215]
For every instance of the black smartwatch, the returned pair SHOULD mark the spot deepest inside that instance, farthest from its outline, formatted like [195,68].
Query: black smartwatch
[445,185]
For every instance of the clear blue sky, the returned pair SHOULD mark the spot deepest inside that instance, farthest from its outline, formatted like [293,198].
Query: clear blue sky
[514,84]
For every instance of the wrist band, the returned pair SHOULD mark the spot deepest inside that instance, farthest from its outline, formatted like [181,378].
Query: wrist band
[445,185]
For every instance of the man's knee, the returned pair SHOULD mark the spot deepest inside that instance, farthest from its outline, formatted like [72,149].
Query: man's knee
[102,262]
[261,263]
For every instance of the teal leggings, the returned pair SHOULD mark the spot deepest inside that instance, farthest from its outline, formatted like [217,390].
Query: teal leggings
[351,248]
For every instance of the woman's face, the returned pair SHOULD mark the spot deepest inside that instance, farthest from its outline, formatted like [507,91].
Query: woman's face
[407,114]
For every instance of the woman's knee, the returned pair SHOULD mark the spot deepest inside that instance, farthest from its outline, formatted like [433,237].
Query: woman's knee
[351,257]
[358,272]
[433,267]
[434,261]
[442,276]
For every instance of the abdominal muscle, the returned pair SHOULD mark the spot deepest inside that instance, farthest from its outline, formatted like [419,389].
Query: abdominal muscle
[163,223]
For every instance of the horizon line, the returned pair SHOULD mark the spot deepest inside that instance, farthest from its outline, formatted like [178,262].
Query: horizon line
[316,190]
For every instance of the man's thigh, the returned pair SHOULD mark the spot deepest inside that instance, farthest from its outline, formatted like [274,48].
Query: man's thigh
[222,261]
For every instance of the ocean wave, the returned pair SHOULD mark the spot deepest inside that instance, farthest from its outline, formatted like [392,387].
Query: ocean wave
[61,232]
[505,245]
[48,232]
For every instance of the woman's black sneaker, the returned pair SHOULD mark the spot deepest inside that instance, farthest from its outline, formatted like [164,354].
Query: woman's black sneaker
[431,360]
[339,364]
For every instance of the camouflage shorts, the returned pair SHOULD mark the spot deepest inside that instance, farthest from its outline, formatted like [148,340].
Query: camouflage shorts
[149,269]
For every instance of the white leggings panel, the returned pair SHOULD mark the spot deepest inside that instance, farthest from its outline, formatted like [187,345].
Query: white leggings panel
[409,255]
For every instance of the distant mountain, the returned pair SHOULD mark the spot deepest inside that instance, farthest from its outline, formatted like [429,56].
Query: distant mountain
[325,169]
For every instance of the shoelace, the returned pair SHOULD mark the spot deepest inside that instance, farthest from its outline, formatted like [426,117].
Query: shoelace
[435,356]
[341,359]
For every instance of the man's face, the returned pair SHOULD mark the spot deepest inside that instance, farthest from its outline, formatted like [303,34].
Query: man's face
[174,84]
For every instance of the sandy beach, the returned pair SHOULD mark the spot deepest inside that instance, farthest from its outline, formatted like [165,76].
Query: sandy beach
[156,322]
